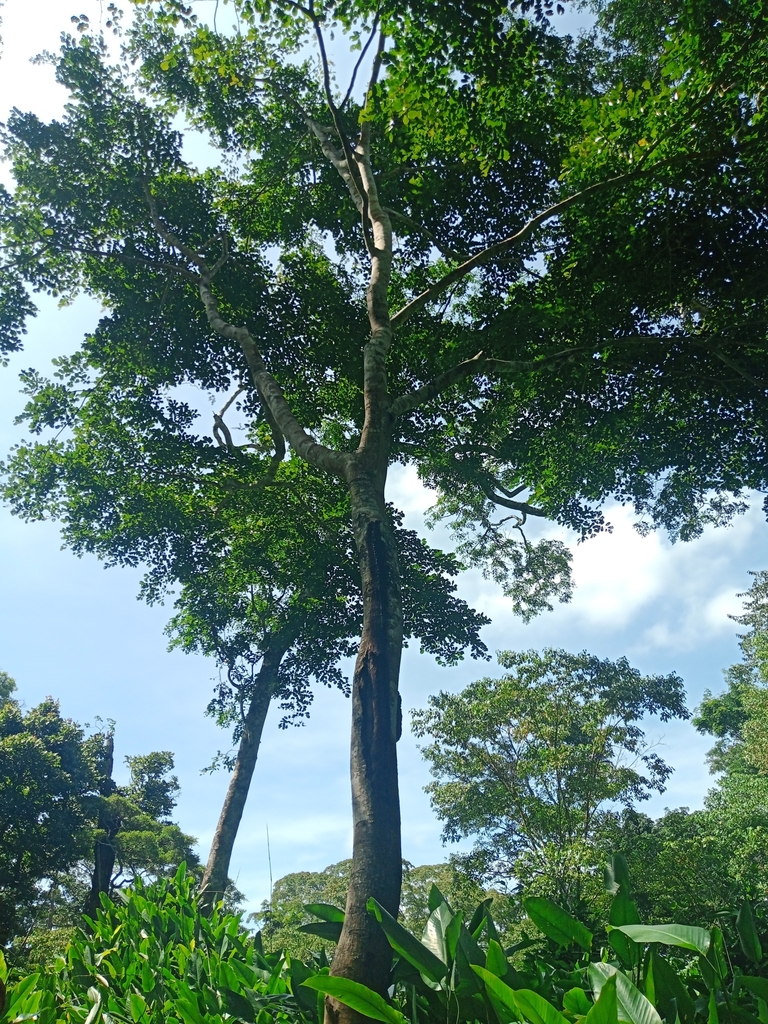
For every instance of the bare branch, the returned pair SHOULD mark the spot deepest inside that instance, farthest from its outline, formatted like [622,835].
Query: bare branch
[489,490]
[376,66]
[168,236]
[346,148]
[270,392]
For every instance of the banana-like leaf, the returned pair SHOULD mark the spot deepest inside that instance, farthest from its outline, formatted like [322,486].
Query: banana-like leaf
[577,1002]
[758,986]
[325,911]
[330,930]
[556,923]
[606,1009]
[745,926]
[496,962]
[407,945]
[667,992]
[434,936]
[683,935]
[356,996]
[530,1005]
[536,1008]
[632,1005]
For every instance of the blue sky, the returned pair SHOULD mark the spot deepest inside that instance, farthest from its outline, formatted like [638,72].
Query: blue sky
[74,630]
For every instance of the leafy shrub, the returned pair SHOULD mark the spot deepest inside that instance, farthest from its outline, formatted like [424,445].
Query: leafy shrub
[152,958]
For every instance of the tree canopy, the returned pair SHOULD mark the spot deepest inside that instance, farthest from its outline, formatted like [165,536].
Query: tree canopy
[530,764]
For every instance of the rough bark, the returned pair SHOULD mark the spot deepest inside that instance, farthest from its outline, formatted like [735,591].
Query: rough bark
[104,847]
[216,873]
[363,953]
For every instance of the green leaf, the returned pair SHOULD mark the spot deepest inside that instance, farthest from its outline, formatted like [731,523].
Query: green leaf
[495,961]
[498,990]
[137,1005]
[577,1001]
[605,1010]
[434,937]
[616,875]
[632,1005]
[666,990]
[683,935]
[536,1008]
[356,996]
[748,937]
[407,945]
[435,898]
[531,1005]
[758,986]
[712,1015]
[556,923]
[330,930]
[325,911]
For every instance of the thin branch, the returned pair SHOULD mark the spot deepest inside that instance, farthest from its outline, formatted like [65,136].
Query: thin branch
[346,148]
[376,66]
[220,427]
[760,385]
[359,61]
[283,420]
[451,253]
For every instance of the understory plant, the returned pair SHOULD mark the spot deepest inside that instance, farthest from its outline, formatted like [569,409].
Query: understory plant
[152,956]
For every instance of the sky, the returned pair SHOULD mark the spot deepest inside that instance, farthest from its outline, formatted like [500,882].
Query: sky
[72,629]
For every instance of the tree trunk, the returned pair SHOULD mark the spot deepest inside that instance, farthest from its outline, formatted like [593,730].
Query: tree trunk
[216,873]
[104,848]
[363,953]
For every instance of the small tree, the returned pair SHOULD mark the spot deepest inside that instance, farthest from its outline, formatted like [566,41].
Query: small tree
[531,763]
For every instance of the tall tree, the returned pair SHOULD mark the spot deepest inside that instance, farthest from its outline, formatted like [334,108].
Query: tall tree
[553,346]
[270,586]
[531,763]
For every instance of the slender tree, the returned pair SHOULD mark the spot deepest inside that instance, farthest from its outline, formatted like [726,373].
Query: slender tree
[552,267]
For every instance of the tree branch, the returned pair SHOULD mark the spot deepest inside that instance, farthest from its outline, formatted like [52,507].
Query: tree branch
[487,254]
[359,61]
[412,400]
[269,390]
[278,412]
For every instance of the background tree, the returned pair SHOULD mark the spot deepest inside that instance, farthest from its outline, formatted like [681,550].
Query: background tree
[531,764]
[69,832]
[282,917]
[520,345]
[45,779]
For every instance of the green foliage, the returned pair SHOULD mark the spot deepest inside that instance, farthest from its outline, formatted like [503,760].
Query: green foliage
[151,957]
[535,762]
[60,810]
[45,781]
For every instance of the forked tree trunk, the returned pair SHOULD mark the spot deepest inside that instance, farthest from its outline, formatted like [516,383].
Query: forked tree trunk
[216,874]
[363,953]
